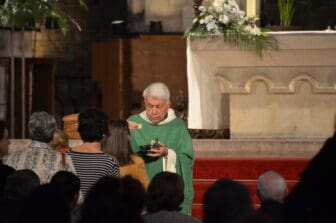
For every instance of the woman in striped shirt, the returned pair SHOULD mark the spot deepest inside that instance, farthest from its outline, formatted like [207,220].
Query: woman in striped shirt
[90,162]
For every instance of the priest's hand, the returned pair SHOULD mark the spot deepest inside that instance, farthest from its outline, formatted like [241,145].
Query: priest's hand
[133,125]
[158,152]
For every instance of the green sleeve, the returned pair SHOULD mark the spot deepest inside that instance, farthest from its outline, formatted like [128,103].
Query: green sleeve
[185,157]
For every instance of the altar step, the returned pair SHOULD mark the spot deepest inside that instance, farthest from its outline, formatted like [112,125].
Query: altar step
[245,170]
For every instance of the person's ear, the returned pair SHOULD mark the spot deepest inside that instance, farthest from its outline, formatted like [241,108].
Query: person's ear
[169,103]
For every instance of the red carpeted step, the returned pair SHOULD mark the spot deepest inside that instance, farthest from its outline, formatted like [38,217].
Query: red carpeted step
[245,170]
[197,211]
[248,168]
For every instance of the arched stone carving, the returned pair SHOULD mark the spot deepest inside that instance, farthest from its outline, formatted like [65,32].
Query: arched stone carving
[226,86]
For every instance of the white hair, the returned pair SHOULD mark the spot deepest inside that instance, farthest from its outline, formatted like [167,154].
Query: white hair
[42,126]
[157,90]
[272,186]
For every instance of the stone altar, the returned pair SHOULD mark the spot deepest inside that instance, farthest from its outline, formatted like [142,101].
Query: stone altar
[290,93]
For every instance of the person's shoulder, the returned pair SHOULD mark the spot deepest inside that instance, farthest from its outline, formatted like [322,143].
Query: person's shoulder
[137,159]
[179,123]
[134,117]
[49,152]
[16,154]
[185,218]
[111,158]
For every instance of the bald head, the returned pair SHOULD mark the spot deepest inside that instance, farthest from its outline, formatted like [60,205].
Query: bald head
[271,186]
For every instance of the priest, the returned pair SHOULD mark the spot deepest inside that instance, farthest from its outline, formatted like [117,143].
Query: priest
[163,140]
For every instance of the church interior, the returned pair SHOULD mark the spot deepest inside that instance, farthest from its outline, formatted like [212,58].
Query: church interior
[246,114]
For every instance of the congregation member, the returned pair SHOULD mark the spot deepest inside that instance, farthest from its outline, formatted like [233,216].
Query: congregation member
[114,199]
[313,198]
[5,170]
[39,156]
[165,196]
[18,188]
[159,126]
[118,145]
[271,191]
[45,205]
[4,141]
[90,162]
[228,201]
[67,186]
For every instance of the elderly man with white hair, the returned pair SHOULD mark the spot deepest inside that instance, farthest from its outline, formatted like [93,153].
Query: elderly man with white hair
[271,190]
[170,147]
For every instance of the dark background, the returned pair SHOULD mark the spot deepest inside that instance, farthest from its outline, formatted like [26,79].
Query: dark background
[309,14]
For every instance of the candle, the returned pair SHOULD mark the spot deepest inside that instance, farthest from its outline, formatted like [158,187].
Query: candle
[251,8]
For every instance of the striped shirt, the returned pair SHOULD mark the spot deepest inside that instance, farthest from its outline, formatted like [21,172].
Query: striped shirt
[90,167]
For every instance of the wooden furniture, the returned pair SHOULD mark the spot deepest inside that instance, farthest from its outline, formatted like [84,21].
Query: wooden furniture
[39,92]
[109,70]
[70,126]
[123,67]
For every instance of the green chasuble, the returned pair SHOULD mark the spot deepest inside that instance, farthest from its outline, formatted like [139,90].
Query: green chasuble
[174,135]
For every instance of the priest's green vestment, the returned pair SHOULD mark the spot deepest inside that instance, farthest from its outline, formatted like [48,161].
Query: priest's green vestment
[174,135]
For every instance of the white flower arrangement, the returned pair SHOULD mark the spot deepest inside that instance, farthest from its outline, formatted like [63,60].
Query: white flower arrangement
[224,17]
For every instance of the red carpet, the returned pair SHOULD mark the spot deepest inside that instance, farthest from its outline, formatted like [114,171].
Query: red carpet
[245,170]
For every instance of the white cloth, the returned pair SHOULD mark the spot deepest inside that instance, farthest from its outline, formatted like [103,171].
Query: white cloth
[204,96]
[170,117]
[169,161]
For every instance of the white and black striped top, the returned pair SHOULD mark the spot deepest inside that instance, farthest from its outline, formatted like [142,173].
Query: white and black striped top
[90,167]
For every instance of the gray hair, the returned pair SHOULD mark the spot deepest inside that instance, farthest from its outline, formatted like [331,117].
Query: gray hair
[42,126]
[157,90]
[272,186]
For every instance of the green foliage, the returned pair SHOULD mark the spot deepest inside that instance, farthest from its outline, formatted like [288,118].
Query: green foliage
[17,13]
[286,11]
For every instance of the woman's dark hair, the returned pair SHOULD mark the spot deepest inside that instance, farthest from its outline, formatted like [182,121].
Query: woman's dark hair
[5,171]
[3,126]
[227,201]
[45,205]
[114,199]
[20,184]
[67,185]
[118,143]
[92,125]
[165,192]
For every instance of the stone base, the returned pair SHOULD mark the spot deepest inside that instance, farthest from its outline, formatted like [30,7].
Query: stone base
[256,148]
